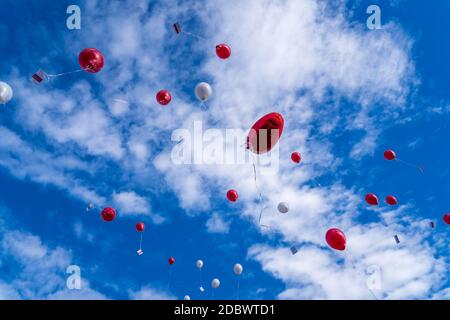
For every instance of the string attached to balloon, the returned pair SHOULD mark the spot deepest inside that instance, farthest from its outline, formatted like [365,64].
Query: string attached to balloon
[178,30]
[91,60]
[223,51]
[171,262]
[390,155]
[199,267]
[140,227]
[238,269]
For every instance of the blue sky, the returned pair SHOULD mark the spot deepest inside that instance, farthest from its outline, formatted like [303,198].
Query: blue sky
[347,93]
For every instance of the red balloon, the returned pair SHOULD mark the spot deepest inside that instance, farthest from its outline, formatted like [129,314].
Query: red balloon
[372,199]
[336,239]
[140,226]
[91,60]
[223,51]
[390,155]
[108,214]
[171,261]
[296,157]
[391,200]
[447,218]
[265,133]
[163,97]
[232,195]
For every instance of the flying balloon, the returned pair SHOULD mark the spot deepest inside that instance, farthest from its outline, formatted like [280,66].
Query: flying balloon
[391,200]
[140,226]
[265,133]
[199,264]
[203,91]
[372,199]
[108,214]
[6,93]
[336,239]
[296,157]
[163,97]
[390,155]
[171,261]
[223,51]
[215,283]
[91,60]
[238,269]
[187,297]
[283,207]
[447,218]
[232,195]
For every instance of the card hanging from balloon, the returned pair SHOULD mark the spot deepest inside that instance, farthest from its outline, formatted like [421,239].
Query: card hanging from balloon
[89,207]
[397,240]
[140,252]
[202,289]
[432,225]
[177,28]
[39,76]
[294,250]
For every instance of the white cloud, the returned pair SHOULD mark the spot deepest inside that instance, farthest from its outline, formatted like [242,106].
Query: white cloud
[149,293]
[216,224]
[130,203]
[41,270]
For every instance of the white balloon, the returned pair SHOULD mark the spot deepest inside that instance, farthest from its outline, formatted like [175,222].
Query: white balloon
[200,264]
[283,207]
[6,92]
[187,298]
[238,269]
[203,91]
[215,283]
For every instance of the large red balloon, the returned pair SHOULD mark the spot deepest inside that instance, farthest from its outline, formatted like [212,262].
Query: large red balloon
[232,195]
[91,60]
[447,218]
[336,239]
[108,214]
[171,261]
[391,200]
[163,97]
[265,133]
[223,51]
[372,199]
[390,155]
[140,226]
[296,157]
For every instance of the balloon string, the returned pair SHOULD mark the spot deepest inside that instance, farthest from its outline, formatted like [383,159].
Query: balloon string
[170,278]
[411,165]
[259,192]
[64,73]
[238,286]
[140,243]
[193,35]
